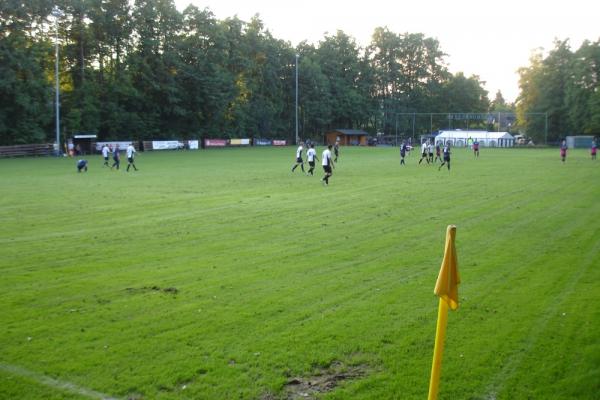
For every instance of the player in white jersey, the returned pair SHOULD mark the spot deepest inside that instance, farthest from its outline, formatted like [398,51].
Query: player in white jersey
[430,150]
[311,155]
[299,160]
[130,156]
[105,152]
[424,152]
[327,163]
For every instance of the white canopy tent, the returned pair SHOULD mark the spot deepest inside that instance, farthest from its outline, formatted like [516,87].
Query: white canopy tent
[460,138]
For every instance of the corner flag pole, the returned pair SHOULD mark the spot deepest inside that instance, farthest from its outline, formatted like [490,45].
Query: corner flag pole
[446,288]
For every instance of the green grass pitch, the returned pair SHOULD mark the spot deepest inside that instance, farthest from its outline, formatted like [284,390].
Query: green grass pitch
[220,274]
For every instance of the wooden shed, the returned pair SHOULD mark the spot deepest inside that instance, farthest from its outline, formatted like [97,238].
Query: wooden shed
[347,137]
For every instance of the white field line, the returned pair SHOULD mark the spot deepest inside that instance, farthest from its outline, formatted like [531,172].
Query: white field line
[54,383]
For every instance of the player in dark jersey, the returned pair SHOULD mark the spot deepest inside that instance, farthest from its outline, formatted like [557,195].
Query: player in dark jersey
[446,157]
[336,151]
[402,153]
[563,151]
[116,158]
[476,148]
[82,165]
[438,152]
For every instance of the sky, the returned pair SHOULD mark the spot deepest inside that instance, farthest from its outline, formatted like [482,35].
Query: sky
[488,39]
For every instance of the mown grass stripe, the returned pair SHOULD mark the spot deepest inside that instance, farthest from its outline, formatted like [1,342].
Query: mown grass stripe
[54,383]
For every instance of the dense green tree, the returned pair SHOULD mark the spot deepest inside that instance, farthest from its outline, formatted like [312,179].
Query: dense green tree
[26,73]
[582,94]
[565,86]
[141,69]
[410,74]
[338,56]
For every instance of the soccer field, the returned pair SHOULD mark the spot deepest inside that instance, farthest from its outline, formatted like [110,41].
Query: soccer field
[220,274]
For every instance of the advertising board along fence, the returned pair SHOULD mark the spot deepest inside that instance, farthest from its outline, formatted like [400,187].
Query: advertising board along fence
[45,149]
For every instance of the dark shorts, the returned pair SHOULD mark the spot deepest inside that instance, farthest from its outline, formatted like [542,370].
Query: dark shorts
[327,169]
[130,159]
[447,158]
[311,163]
[430,154]
[299,160]
[106,158]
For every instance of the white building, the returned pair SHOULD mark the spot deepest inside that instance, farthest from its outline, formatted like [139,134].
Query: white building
[460,138]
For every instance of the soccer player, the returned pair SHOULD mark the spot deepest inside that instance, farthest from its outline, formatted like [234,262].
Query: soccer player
[446,156]
[336,150]
[402,153]
[130,156]
[438,153]
[105,151]
[327,164]
[594,148]
[82,165]
[563,151]
[299,158]
[430,151]
[424,152]
[476,148]
[116,158]
[311,155]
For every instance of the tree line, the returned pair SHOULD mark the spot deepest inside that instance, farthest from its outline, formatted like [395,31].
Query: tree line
[566,85]
[142,69]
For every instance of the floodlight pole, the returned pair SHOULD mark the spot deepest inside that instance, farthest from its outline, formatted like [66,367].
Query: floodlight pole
[430,124]
[56,12]
[297,139]
[498,121]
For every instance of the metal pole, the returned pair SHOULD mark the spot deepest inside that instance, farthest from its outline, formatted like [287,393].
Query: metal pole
[297,139]
[498,121]
[413,133]
[57,13]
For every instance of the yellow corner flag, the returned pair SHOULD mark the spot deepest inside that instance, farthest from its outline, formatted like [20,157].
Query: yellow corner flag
[446,288]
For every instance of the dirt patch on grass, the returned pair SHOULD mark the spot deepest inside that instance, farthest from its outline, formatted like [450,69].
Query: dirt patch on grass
[324,380]
[169,290]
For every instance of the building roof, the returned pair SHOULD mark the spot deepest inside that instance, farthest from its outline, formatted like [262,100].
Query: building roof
[480,135]
[350,132]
